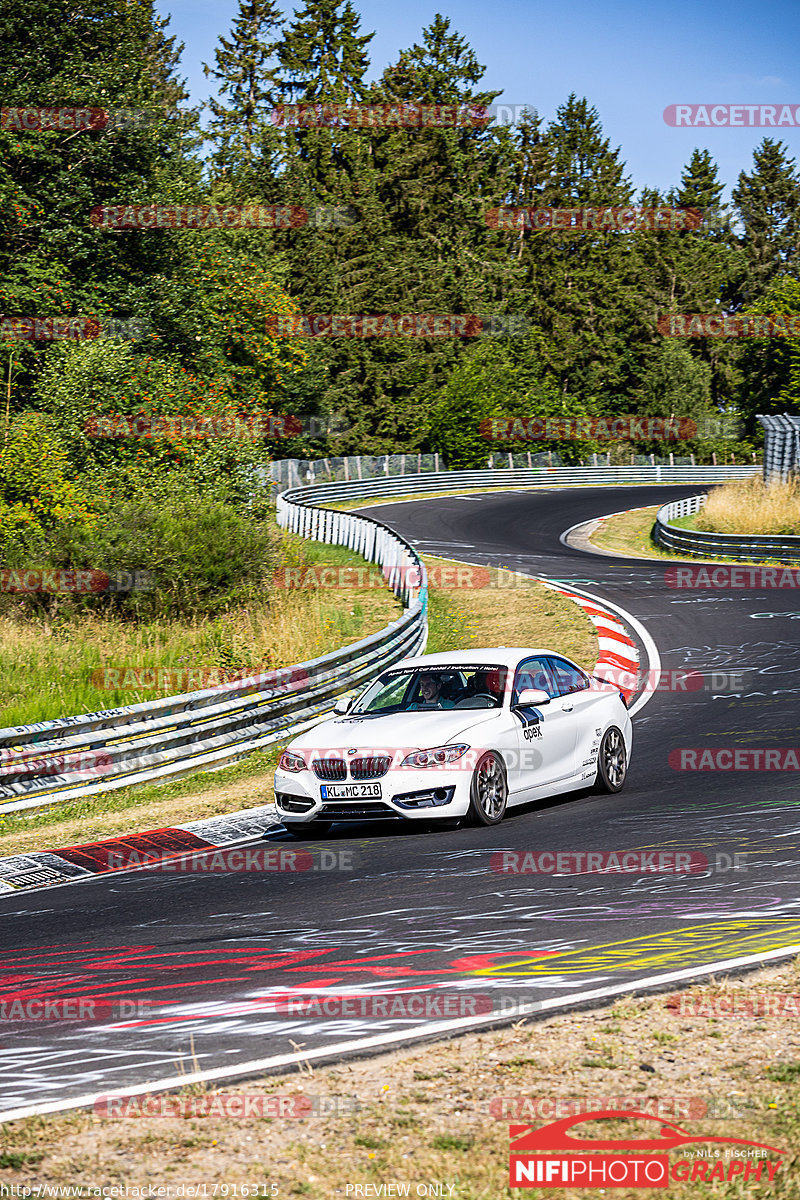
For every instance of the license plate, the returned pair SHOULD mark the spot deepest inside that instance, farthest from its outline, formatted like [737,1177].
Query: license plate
[350,791]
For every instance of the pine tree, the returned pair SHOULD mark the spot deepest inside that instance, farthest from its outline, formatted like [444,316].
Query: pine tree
[53,261]
[768,204]
[247,75]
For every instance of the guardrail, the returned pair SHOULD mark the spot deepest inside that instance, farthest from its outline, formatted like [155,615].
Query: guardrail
[91,753]
[700,544]
[428,483]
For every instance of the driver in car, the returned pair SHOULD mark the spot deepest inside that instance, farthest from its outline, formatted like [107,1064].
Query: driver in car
[430,689]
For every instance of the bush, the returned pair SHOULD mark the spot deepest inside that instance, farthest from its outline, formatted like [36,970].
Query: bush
[37,497]
[199,554]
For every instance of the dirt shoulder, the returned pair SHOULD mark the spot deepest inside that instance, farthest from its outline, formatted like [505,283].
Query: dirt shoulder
[441,1112]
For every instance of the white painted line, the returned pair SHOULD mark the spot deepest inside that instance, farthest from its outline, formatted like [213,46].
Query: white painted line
[621,649]
[564,538]
[654,658]
[385,1041]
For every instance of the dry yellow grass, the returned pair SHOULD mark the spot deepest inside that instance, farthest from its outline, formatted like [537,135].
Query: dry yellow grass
[749,506]
[53,668]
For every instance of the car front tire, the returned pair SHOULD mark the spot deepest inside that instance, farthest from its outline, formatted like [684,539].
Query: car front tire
[612,762]
[488,793]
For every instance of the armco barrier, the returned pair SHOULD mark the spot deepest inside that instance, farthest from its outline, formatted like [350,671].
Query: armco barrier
[163,739]
[699,544]
[429,483]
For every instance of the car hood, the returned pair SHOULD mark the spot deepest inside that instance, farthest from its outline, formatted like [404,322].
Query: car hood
[411,731]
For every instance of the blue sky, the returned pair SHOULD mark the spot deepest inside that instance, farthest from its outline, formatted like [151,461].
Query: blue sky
[629,59]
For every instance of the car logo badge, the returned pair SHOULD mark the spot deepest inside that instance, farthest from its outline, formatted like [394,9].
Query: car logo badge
[353,751]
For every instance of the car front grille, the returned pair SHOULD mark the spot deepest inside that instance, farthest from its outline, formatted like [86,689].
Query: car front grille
[332,770]
[356,812]
[374,767]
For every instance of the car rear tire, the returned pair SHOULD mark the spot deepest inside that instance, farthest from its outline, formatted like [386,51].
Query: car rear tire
[488,793]
[612,762]
[308,829]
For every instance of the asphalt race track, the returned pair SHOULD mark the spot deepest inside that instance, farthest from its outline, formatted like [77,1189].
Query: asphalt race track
[422,910]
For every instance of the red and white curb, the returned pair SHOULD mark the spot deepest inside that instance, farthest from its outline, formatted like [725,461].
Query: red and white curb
[72,864]
[618,660]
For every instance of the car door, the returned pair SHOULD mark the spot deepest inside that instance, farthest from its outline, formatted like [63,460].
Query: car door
[547,734]
[586,706]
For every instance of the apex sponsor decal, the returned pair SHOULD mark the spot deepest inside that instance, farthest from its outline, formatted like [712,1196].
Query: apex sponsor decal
[551,1157]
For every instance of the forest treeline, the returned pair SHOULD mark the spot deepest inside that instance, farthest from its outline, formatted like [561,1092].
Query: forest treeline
[583,305]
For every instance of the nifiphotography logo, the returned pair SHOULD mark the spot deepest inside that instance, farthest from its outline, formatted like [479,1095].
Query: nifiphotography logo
[551,1157]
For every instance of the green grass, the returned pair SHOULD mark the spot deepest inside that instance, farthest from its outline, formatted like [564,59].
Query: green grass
[458,619]
[53,668]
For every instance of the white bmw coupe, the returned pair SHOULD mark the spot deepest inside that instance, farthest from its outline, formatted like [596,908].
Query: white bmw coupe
[448,736]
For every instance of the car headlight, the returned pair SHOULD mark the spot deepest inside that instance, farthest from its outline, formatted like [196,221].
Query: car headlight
[289,761]
[437,756]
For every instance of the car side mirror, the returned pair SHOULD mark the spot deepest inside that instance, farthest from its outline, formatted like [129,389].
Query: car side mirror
[532,698]
[343,705]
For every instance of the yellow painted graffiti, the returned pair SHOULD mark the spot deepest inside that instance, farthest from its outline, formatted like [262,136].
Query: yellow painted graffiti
[689,946]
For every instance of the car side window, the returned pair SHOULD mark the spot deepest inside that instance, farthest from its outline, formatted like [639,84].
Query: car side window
[568,679]
[533,673]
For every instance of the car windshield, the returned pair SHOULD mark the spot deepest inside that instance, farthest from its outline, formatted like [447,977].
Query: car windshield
[428,689]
